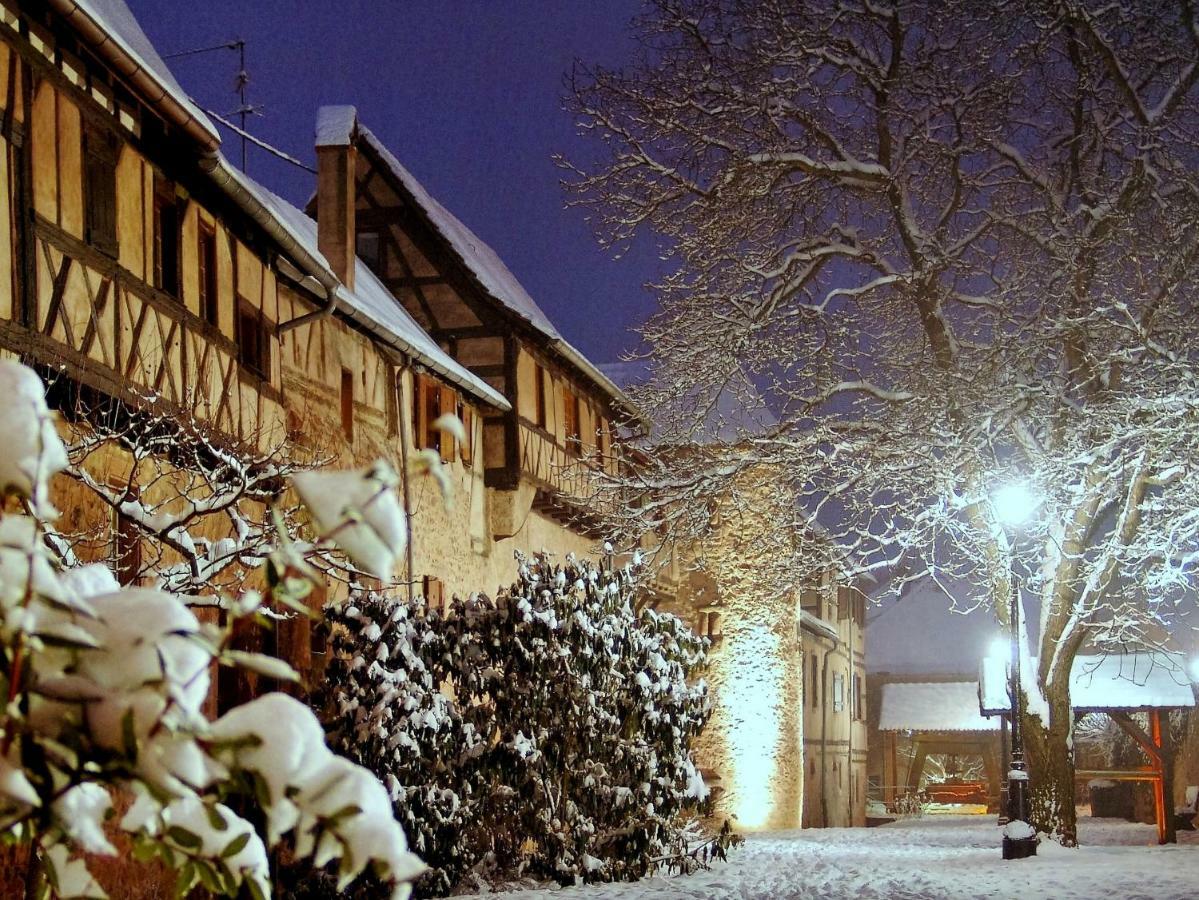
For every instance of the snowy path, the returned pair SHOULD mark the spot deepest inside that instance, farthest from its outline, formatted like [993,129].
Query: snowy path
[935,858]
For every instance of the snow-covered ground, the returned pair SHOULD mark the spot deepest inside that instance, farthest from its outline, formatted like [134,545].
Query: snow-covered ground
[934,858]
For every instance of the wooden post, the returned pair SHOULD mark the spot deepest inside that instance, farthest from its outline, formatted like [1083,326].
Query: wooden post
[1163,784]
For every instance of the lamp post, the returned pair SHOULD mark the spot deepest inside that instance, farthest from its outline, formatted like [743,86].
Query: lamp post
[1013,505]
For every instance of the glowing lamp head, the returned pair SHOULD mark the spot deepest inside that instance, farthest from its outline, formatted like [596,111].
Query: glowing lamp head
[1013,504]
[1001,648]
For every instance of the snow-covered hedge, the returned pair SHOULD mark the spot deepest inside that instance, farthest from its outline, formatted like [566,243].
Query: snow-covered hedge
[105,689]
[565,752]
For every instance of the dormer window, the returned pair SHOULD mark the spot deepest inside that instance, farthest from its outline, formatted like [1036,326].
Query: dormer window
[369,247]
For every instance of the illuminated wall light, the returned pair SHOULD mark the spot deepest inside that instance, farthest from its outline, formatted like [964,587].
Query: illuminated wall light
[751,693]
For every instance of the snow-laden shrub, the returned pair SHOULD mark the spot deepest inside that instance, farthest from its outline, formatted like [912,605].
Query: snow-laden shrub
[565,749]
[105,688]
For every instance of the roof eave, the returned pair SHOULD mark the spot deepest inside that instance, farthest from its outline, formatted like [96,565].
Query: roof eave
[109,47]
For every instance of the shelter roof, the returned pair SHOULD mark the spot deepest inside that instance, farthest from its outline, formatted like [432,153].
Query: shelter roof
[939,706]
[1139,680]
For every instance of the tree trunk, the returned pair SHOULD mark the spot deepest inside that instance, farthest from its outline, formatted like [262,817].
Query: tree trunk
[1049,752]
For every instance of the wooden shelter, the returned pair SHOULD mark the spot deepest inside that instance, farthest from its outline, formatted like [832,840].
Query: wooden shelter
[937,718]
[1119,685]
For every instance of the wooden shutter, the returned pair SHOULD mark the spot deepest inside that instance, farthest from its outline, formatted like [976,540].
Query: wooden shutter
[430,412]
[539,389]
[467,414]
[206,257]
[100,189]
[449,402]
[347,403]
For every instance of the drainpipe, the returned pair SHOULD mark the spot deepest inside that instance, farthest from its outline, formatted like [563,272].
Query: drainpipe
[230,181]
[853,696]
[824,735]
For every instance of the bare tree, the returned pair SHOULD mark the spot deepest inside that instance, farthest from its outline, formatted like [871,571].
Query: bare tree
[166,501]
[953,245]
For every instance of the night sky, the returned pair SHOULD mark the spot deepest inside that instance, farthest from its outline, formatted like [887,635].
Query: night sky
[466,93]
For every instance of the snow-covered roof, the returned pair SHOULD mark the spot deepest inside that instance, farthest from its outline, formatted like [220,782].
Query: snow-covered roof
[818,625]
[133,52]
[925,706]
[371,304]
[1131,681]
[339,126]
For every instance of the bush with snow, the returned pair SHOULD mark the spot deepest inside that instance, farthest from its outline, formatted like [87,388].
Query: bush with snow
[105,689]
[565,751]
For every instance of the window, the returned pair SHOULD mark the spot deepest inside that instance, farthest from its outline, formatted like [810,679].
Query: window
[100,189]
[809,600]
[602,443]
[539,388]
[813,684]
[859,709]
[434,590]
[571,420]
[206,261]
[253,349]
[369,248]
[844,596]
[426,409]
[347,404]
[166,237]
[838,691]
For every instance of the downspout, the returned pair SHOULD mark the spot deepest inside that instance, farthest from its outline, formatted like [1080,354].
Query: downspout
[853,699]
[229,181]
[824,735]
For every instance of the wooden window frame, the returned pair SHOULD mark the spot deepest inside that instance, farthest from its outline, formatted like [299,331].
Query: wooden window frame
[253,347]
[207,280]
[166,234]
[99,181]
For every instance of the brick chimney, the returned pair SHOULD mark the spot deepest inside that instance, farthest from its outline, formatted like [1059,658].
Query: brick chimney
[336,156]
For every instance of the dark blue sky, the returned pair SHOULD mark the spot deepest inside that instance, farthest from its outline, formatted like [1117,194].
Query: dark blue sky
[467,93]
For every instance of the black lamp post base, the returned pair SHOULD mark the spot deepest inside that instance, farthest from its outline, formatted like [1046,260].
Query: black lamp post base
[1019,848]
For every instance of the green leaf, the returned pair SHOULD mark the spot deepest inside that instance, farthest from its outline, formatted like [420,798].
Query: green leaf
[184,838]
[262,664]
[185,879]
[215,819]
[236,845]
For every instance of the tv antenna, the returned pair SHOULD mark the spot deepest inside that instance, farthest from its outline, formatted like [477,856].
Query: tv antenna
[240,82]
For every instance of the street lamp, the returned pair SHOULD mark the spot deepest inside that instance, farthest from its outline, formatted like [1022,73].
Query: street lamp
[1013,505]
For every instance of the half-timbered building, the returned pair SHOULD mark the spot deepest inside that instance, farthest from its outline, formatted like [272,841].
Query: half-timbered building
[562,408]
